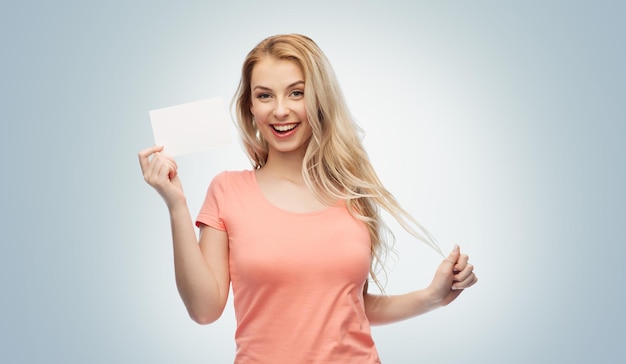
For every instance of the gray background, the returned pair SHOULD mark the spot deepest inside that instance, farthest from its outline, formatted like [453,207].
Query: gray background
[497,124]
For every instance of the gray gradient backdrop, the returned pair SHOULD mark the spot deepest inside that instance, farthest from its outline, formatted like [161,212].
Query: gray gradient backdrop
[499,125]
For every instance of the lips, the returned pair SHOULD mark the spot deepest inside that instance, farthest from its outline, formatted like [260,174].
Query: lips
[284,128]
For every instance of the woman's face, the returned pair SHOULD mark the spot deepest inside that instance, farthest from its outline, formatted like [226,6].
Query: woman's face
[278,105]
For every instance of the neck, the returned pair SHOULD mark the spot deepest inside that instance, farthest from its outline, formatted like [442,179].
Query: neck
[285,166]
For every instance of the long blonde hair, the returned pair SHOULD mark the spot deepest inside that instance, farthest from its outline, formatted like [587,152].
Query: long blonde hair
[335,164]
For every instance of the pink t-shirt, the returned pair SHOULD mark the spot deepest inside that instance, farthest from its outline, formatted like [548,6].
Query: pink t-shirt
[297,278]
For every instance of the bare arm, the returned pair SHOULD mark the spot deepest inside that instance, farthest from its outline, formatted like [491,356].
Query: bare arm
[201,269]
[202,274]
[453,275]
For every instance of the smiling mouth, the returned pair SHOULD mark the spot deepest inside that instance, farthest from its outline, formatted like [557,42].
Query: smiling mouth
[284,128]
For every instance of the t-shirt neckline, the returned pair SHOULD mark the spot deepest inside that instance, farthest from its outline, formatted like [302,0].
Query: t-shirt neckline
[261,196]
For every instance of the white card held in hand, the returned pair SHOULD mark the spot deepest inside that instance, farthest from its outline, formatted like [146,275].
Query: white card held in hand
[192,127]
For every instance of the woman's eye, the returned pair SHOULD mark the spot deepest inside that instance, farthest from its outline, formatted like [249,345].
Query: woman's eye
[297,93]
[263,96]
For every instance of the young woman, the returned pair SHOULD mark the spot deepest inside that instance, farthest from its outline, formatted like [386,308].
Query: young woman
[298,235]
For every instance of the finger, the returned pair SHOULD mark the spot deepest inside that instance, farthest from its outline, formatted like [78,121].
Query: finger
[466,283]
[153,163]
[167,157]
[145,154]
[453,257]
[158,170]
[462,275]
[149,168]
[173,169]
[167,169]
[172,160]
[461,263]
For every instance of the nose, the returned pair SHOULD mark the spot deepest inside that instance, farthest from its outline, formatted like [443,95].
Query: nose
[281,110]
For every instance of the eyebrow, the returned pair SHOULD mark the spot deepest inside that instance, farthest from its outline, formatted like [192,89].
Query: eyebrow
[269,89]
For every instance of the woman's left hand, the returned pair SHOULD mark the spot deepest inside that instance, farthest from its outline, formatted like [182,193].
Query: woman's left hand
[453,275]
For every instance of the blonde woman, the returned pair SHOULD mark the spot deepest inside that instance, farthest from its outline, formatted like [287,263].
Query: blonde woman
[300,233]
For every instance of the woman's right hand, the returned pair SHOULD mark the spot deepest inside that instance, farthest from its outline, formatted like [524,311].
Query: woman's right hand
[161,172]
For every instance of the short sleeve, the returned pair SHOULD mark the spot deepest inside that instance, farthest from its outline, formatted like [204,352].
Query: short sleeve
[211,211]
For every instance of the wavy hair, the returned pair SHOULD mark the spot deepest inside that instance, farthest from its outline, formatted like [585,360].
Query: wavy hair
[335,165]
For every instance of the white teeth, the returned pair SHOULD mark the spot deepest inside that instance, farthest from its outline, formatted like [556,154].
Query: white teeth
[284,128]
